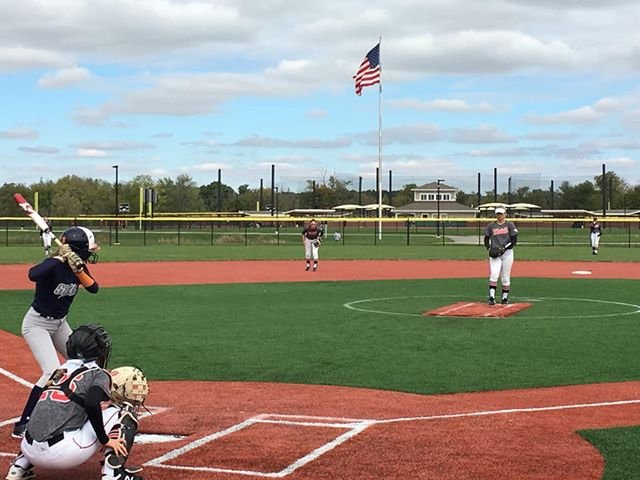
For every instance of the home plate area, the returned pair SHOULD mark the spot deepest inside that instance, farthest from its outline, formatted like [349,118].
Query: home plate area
[477,309]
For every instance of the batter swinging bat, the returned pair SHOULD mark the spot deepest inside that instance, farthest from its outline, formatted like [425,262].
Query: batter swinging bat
[42,225]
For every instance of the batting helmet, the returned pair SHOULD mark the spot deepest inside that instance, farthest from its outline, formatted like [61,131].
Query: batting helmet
[89,343]
[82,241]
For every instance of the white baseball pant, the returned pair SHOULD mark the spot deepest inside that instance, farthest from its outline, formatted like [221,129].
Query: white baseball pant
[500,267]
[74,449]
[46,241]
[310,250]
[46,338]
[595,240]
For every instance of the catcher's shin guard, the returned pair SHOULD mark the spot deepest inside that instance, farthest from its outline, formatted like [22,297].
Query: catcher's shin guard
[126,428]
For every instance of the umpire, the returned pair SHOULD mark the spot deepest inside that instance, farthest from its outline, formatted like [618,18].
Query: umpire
[499,239]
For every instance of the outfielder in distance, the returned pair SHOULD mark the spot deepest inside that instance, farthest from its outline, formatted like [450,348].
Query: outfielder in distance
[68,425]
[46,236]
[499,239]
[595,232]
[311,239]
[45,327]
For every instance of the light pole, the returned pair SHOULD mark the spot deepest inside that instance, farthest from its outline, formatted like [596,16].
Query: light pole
[438,203]
[117,206]
[276,207]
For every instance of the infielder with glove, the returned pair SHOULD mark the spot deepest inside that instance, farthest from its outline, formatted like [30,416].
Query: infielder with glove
[311,239]
[46,237]
[69,425]
[499,239]
[594,235]
[45,327]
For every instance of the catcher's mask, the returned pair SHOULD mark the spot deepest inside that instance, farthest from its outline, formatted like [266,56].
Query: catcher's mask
[128,384]
[90,343]
[83,242]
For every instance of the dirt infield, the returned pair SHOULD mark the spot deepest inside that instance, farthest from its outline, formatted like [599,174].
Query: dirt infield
[228,430]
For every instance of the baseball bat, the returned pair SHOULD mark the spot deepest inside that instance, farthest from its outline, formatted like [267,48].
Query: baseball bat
[35,216]
[85,279]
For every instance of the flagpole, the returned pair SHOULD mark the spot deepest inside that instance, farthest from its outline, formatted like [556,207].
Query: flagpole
[380,146]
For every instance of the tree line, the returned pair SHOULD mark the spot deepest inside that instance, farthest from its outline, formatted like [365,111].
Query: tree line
[73,195]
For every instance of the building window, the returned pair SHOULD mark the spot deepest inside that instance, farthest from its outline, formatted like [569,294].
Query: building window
[431,196]
[423,196]
[445,196]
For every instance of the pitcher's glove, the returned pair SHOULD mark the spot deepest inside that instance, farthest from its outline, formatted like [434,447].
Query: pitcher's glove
[495,252]
[75,262]
[316,243]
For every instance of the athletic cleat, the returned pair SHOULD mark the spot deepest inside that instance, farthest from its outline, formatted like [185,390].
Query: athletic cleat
[315,268]
[505,301]
[306,269]
[492,301]
[124,474]
[18,473]
[18,430]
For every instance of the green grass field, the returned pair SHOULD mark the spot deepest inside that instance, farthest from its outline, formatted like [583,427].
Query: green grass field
[579,331]
[329,250]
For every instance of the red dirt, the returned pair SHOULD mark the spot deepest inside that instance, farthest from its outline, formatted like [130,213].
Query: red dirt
[13,277]
[475,309]
[397,443]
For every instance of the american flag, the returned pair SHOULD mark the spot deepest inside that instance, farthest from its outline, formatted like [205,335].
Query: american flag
[369,71]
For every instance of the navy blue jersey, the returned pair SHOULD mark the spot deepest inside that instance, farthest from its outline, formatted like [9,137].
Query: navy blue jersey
[56,287]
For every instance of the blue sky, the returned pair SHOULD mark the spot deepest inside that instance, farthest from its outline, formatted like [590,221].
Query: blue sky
[541,90]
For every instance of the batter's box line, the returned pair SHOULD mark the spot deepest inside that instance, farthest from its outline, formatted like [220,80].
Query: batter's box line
[353,427]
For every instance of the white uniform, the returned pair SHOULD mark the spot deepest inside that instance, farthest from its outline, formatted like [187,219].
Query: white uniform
[311,237]
[596,232]
[503,235]
[75,448]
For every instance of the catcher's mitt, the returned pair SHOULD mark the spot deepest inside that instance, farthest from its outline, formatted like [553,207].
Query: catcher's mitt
[495,252]
[128,384]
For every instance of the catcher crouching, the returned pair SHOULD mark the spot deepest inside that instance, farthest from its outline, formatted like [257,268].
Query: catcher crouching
[68,425]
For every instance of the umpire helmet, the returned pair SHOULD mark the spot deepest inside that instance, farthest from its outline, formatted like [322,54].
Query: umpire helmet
[89,343]
[82,241]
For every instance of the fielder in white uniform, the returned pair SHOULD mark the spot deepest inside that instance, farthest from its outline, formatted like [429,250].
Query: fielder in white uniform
[46,237]
[499,238]
[594,235]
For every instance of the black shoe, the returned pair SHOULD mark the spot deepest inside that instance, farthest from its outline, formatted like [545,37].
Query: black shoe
[306,269]
[19,429]
[125,474]
[492,301]
[505,301]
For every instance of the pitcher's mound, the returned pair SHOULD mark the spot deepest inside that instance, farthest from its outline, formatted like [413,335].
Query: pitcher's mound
[477,309]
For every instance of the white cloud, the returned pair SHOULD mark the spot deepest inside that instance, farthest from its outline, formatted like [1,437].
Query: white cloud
[14,58]
[265,142]
[89,152]
[442,105]
[481,134]
[19,133]
[64,78]
[317,114]
[102,146]
[40,150]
